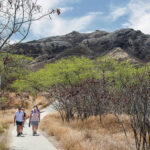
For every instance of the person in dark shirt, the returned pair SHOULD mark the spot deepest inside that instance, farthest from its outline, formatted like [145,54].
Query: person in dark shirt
[24,119]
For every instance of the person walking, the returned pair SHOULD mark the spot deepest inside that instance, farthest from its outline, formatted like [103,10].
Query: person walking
[34,120]
[24,119]
[18,119]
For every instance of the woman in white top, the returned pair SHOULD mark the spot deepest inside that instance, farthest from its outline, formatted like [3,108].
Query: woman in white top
[34,120]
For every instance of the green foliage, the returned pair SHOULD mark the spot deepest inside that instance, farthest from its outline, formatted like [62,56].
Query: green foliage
[126,74]
[1,130]
[68,72]
[65,72]
[3,100]
[6,126]
[119,74]
[12,67]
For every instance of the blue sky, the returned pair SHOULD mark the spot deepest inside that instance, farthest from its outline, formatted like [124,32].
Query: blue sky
[91,15]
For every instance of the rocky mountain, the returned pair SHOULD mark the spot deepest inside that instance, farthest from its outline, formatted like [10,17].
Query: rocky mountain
[92,45]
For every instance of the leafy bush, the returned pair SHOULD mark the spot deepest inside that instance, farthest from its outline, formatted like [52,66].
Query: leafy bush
[12,67]
[65,72]
[1,130]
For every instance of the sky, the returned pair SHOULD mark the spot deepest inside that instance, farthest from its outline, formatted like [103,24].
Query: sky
[90,15]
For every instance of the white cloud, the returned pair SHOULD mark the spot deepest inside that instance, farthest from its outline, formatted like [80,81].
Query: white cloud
[138,12]
[139,17]
[60,26]
[95,13]
[13,41]
[46,4]
[65,9]
[117,13]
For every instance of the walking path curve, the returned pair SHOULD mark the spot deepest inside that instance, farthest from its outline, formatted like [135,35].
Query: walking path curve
[28,141]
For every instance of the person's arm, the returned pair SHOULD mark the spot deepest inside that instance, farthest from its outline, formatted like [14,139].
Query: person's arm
[30,119]
[14,119]
[25,116]
[39,117]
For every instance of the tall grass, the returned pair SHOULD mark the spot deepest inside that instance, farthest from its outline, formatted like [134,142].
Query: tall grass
[90,134]
[3,146]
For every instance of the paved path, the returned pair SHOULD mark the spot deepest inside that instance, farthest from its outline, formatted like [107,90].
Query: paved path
[28,141]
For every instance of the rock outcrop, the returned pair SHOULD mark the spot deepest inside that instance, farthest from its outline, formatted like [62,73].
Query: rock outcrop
[95,44]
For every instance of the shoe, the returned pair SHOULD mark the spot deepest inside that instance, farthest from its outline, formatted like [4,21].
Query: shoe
[18,134]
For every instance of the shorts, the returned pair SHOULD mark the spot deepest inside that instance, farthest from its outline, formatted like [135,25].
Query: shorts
[34,123]
[19,123]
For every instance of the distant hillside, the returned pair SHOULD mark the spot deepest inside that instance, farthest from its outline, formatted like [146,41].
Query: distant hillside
[92,45]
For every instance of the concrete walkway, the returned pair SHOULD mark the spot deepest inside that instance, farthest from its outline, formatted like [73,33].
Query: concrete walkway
[30,142]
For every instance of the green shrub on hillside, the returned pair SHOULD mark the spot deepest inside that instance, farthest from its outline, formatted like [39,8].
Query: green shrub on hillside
[65,71]
[74,70]
[126,73]
[12,67]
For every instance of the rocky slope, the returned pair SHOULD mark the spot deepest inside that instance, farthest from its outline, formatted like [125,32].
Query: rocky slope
[98,43]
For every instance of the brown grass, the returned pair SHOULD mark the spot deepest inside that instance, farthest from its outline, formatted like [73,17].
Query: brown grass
[89,134]
[25,100]
[2,145]
[4,140]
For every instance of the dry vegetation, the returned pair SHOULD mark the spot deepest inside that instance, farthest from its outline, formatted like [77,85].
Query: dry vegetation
[89,134]
[15,100]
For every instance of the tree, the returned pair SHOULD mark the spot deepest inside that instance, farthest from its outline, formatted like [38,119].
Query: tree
[12,67]
[132,97]
[16,17]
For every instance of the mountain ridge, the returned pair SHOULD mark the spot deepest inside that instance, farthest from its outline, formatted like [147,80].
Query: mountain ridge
[133,42]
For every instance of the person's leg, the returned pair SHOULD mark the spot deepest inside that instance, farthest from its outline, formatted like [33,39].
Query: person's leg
[20,128]
[33,128]
[23,123]
[36,127]
[17,129]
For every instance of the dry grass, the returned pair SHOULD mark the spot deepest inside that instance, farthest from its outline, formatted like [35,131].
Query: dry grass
[4,141]
[26,100]
[121,55]
[2,146]
[90,134]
